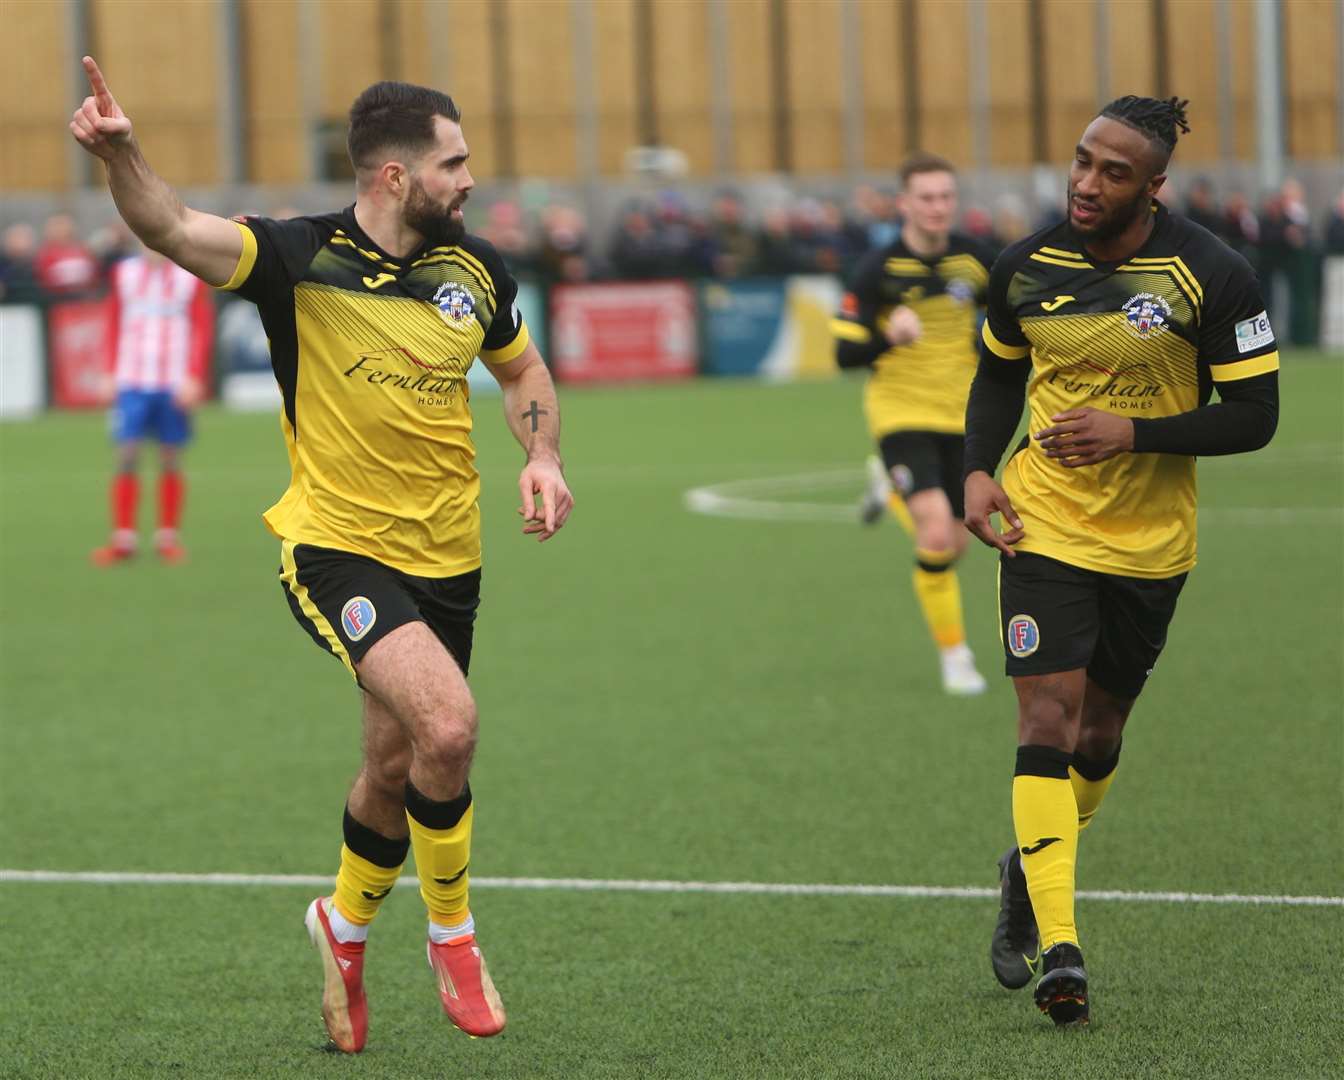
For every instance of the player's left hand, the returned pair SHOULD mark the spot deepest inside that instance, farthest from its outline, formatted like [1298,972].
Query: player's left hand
[1086,436]
[189,393]
[544,476]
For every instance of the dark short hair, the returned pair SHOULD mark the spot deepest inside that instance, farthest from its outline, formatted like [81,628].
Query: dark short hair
[921,161]
[1162,121]
[395,116]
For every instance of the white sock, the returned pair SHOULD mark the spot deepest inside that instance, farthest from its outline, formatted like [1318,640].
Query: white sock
[441,934]
[342,929]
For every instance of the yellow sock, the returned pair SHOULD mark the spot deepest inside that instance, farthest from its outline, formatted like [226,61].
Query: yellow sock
[939,595]
[370,866]
[1045,817]
[1090,780]
[896,506]
[441,839]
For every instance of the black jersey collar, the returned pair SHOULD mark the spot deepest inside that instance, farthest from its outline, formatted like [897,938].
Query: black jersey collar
[351,225]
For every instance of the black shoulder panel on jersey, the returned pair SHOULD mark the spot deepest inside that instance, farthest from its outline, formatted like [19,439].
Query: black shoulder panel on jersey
[504,322]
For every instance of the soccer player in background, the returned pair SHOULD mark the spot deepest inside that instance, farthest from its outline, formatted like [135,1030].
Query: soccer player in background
[161,328]
[374,313]
[1114,326]
[910,316]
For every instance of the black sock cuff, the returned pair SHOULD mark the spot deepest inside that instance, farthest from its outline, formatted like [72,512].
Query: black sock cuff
[1042,761]
[933,568]
[436,815]
[374,847]
[1092,769]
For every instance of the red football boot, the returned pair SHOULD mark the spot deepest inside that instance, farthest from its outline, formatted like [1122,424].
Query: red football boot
[344,1009]
[169,547]
[119,549]
[469,997]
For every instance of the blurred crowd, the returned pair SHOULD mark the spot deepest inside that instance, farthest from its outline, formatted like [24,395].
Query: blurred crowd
[667,235]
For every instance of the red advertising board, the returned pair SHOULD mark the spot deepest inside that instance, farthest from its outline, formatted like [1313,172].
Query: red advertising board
[77,339]
[617,332]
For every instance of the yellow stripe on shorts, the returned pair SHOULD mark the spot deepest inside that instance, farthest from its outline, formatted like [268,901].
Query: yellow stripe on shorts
[289,574]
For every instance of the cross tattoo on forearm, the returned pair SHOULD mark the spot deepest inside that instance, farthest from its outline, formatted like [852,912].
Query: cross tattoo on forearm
[534,413]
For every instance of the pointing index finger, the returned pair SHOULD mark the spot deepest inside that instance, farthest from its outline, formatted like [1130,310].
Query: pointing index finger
[100,91]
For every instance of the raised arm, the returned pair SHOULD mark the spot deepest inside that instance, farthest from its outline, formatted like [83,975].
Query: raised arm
[533,415]
[204,244]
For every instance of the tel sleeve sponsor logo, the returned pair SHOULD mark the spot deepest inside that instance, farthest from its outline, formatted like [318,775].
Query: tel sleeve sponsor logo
[358,617]
[1024,636]
[1253,333]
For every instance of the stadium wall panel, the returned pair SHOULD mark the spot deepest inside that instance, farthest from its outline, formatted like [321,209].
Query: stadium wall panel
[164,83]
[1010,122]
[880,43]
[683,82]
[1311,38]
[33,103]
[944,80]
[749,85]
[541,68]
[275,139]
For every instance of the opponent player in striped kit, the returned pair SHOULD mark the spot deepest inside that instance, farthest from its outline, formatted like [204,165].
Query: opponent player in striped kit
[161,329]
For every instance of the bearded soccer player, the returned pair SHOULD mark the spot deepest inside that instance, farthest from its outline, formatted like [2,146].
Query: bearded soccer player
[374,314]
[1115,326]
[910,316]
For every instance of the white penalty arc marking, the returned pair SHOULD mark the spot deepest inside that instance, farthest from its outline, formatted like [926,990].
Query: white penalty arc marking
[768,888]
[767,499]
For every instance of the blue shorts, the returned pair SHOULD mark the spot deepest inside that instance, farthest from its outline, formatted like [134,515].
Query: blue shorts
[143,414]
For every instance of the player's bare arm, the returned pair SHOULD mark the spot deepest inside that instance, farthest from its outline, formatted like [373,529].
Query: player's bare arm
[533,414]
[984,498]
[204,244]
[1086,436]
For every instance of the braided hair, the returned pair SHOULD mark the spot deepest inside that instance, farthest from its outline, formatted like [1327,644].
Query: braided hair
[1156,118]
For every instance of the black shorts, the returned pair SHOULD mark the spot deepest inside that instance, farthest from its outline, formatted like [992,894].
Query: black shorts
[920,460]
[348,602]
[1057,617]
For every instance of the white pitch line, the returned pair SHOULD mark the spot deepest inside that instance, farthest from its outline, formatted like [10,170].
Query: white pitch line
[766,499]
[769,888]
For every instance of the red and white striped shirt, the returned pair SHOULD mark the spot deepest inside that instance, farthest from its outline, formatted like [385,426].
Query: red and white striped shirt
[162,325]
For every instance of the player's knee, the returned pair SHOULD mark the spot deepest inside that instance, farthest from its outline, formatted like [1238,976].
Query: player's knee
[1048,720]
[1099,734]
[1097,744]
[449,741]
[937,533]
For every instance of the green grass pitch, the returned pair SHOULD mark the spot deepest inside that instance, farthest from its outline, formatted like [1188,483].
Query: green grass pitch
[663,695]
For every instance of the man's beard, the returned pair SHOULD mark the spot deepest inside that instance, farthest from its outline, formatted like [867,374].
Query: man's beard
[432,221]
[1112,225]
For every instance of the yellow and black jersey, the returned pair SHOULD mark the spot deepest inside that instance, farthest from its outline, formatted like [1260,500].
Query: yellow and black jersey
[1148,338]
[921,386]
[371,353]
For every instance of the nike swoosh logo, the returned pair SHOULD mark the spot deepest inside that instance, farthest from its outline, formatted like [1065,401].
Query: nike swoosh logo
[455,877]
[1041,844]
[1058,301]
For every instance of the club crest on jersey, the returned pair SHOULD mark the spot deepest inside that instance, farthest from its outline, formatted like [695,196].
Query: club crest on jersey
[1146,315]
[1024,636]
[454,302]
[961,291]
[358,617]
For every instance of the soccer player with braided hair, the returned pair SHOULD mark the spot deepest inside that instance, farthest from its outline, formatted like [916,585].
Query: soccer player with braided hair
[1114,327]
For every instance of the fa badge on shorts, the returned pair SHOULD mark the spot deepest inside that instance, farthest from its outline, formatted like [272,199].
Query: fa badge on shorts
[357,617]
[1024,636]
